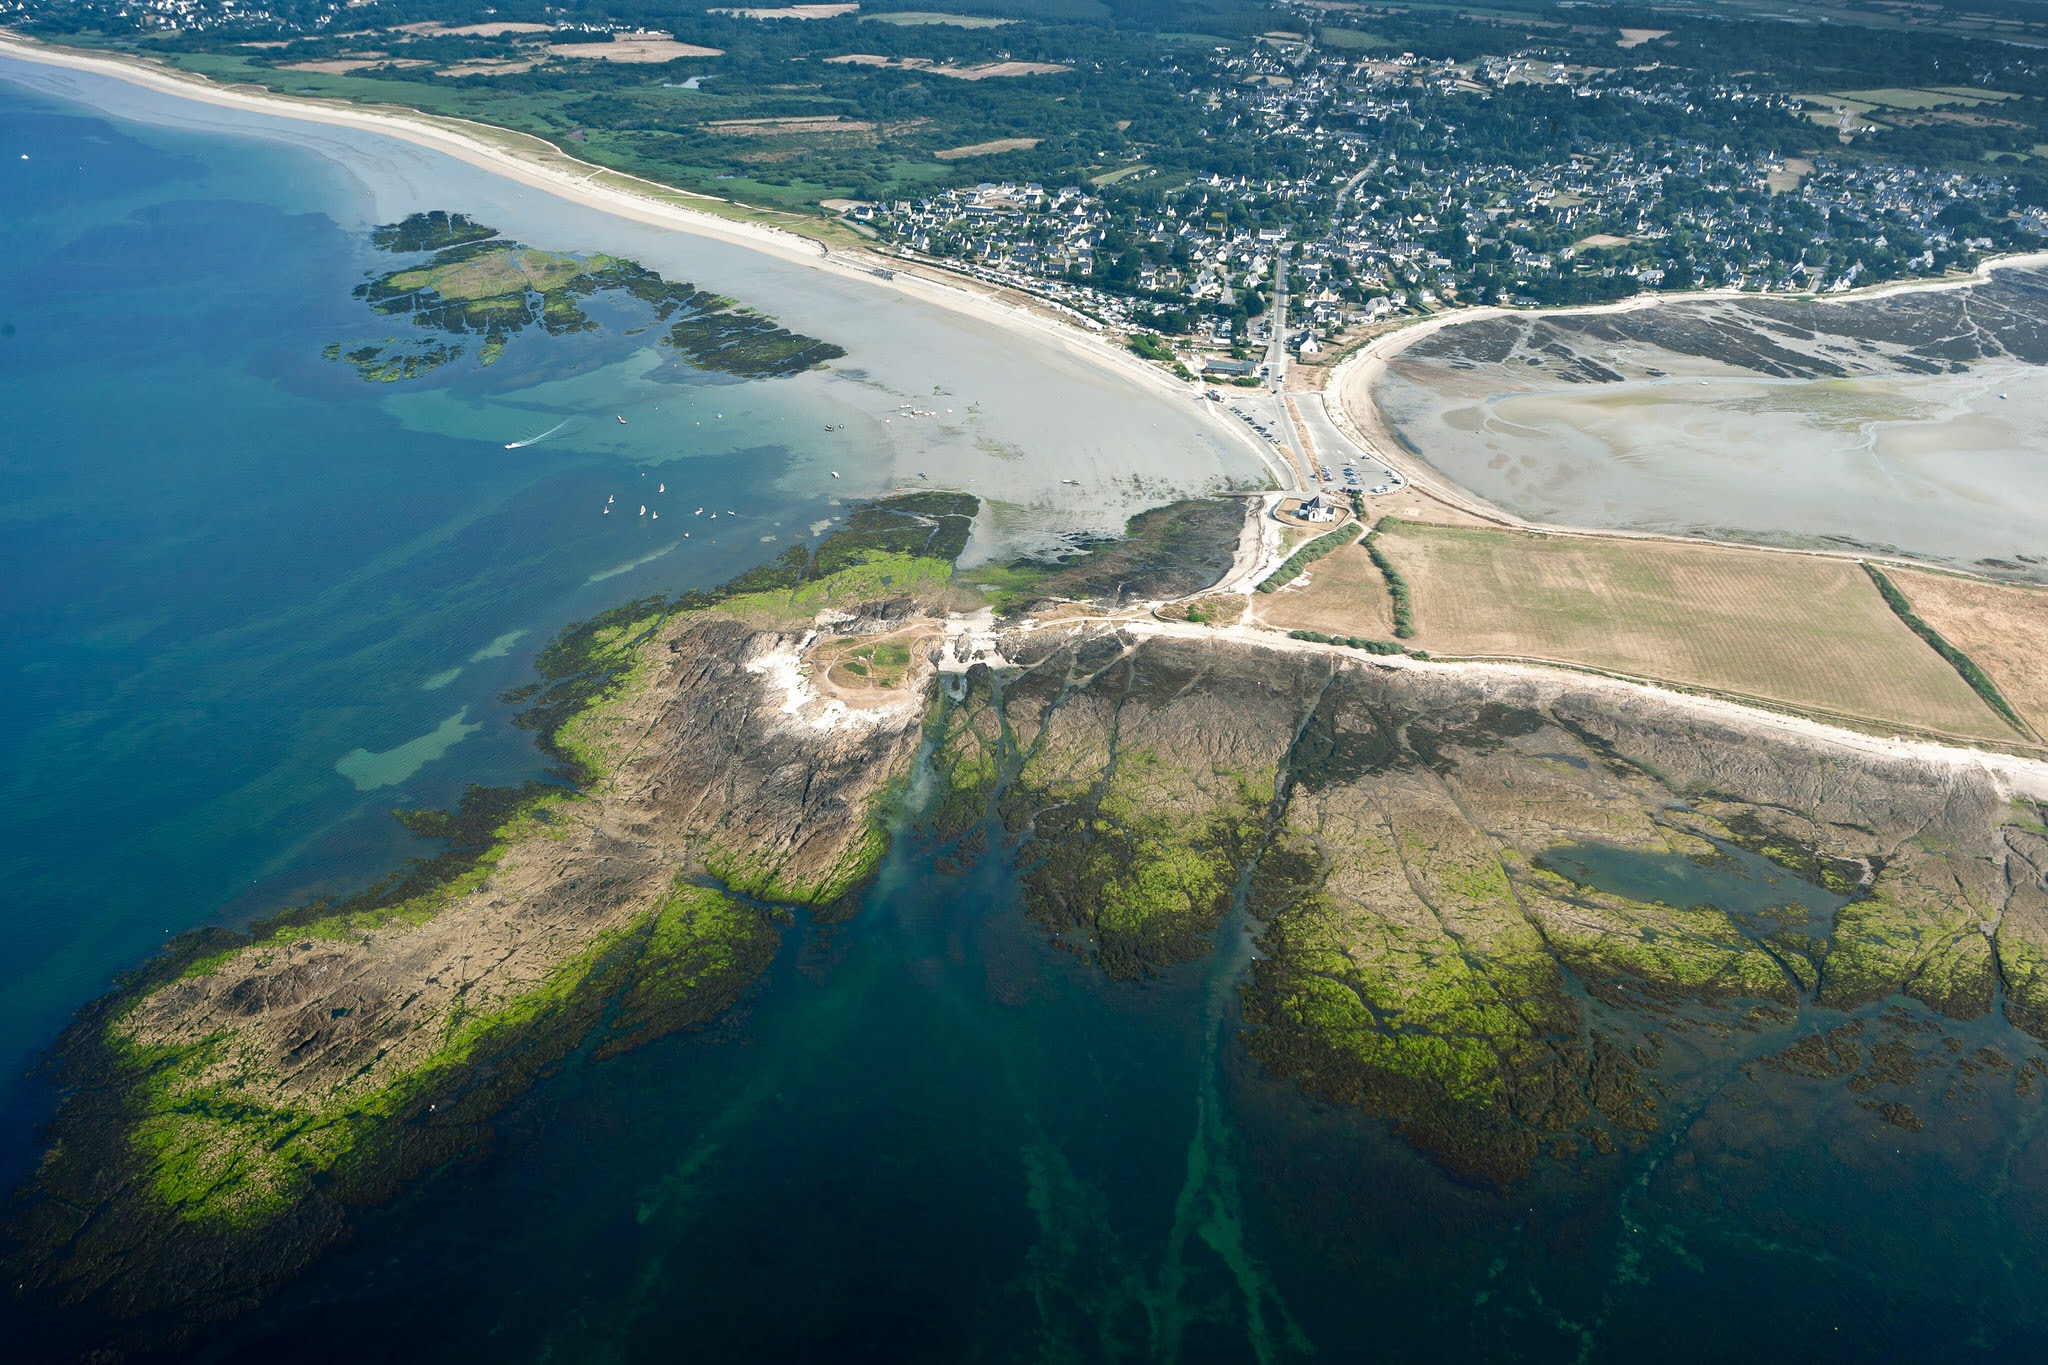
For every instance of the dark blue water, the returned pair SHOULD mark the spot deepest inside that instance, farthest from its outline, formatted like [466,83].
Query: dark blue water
[230,566]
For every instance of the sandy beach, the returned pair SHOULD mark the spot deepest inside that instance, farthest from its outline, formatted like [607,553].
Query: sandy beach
[1069,433]
[1029,448]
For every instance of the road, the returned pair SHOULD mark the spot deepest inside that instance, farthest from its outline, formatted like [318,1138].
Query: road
[1276,377]
[1276,320]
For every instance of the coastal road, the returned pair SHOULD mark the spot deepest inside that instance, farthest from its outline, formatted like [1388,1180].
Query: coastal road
[1276,317]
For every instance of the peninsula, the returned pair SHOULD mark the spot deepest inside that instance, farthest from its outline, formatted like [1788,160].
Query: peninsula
[1526,843]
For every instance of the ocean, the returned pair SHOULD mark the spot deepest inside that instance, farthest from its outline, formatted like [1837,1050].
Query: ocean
[255,603]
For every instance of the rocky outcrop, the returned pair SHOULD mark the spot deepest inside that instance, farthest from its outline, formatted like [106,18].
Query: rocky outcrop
[233,1102]
[1474,895]
[1391,832]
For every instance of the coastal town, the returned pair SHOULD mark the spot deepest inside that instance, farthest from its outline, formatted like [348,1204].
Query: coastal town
[1384,210]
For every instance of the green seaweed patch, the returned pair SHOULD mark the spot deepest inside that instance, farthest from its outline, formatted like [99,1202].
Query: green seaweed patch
[702,948]
[1842,876]
[391,362]
[1425,1038]
[475,283]
[831,895]
[1146,883]
[434,230]
[1169,551]
[166,1162]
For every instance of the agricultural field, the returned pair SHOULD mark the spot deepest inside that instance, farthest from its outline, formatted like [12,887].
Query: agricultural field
[1901,98]
[2002,627]
[992,148]
[1346,596]
[1800,632]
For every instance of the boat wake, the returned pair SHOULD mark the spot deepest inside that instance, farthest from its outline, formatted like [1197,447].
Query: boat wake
[514,445]
[629,565]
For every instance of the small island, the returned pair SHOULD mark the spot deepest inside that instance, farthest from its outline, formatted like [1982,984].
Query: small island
[470,282]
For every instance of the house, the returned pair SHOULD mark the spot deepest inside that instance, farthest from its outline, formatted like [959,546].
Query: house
[1316,509]
[1229,369]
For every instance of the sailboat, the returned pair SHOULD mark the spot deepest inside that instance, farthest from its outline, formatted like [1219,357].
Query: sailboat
[662,489]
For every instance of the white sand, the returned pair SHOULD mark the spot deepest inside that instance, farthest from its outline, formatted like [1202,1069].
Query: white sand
[1033,402]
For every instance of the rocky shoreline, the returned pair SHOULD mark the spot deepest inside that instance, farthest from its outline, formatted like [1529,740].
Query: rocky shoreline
[227,1106]
[1420,851]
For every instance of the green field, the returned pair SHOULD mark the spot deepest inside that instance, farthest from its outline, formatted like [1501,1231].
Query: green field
[1800,632]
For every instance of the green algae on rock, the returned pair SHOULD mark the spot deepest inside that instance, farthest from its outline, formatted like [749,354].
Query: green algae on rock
[476,283]
[230,1103]
[1434,944]
[1167,551]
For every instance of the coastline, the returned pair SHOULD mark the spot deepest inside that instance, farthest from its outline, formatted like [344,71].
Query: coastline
[527,161]
[1348,398]
[542,167]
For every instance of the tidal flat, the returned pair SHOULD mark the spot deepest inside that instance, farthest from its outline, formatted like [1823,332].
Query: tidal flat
[927,394]
[1110,995]
[1908,422]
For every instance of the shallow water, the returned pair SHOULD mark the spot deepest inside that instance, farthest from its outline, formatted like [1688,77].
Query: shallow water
[244,584]
[254,602]
[1911,422]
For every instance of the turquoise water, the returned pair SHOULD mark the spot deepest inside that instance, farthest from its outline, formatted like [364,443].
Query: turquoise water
[253,603]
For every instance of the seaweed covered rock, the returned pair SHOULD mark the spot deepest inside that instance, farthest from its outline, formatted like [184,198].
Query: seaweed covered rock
[473,282]
[231,1103]
[1428,947]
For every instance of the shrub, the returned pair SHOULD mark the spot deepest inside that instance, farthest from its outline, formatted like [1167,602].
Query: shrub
[1959,661]
[1397,587]
[1307,555]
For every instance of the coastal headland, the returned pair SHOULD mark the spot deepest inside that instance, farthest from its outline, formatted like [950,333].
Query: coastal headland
[1526,899]
[1461,878]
